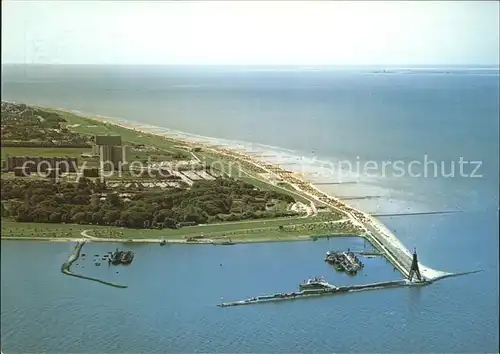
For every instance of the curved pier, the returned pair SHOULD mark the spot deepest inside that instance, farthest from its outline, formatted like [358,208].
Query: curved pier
[65,268]
[451,275]
[313,293]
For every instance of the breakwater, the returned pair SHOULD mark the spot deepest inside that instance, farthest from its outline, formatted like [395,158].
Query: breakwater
[314,293]
[418,213]
[73,256]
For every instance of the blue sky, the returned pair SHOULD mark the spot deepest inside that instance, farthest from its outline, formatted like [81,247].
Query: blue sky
[251,33]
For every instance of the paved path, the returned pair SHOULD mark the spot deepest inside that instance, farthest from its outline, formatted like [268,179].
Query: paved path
[85,234]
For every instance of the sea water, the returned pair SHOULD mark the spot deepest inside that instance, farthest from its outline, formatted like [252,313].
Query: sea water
[308,121]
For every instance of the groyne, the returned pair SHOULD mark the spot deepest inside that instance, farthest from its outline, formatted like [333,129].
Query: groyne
[315,293]
[73,256]
[363,197]
[418,213]
[452,275]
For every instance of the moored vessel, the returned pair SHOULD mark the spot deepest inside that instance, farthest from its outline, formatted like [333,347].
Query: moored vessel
[121,257]
[344,261]
[315,283]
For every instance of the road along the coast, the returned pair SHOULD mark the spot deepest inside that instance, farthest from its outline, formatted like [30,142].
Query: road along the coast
[373,230]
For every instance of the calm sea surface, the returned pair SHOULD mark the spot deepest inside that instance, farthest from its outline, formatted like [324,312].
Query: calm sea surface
[307,120]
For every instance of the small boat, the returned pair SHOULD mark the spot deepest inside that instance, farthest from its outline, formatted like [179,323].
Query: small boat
[315,283]
[163,243]
[227,242]
[121,257]
[351,270]
[127,257]
[97,264]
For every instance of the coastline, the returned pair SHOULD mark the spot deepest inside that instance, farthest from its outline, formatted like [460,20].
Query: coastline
[375,231]
[153,130]
[270,173]
[389,320]
[304,238]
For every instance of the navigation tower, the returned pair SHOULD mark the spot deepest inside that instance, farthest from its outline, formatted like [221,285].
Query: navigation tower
[414,270]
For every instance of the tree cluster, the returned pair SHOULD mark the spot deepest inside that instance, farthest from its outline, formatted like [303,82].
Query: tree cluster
[24,123]
[91,202]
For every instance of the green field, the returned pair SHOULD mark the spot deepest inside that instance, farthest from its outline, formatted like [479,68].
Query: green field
[229,167]
[94,127]
[267,186]
[32,230]
[44,151]
[17,229]
[249,228]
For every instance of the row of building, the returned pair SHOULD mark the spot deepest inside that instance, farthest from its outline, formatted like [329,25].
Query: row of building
[30,164]
[113,157]
[112,154]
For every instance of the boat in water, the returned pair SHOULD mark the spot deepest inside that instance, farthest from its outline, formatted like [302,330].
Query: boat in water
[338,267]
[315,284]
[344,261]
[226,242]
[127,257]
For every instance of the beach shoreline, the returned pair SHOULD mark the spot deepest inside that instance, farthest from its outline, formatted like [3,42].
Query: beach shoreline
[304,238]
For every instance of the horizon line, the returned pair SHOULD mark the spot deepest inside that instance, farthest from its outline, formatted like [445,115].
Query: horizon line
[299,66]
